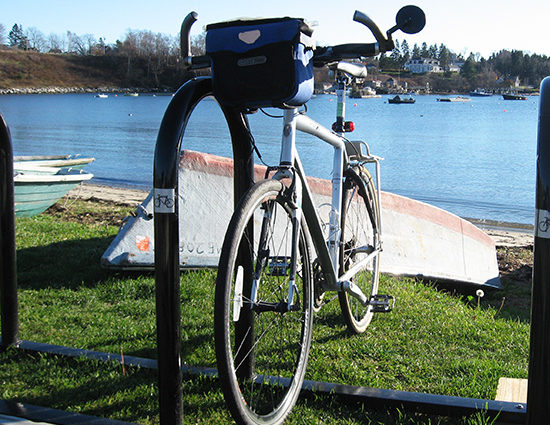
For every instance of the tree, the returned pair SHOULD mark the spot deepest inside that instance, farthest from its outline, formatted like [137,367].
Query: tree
[56,43]
[17,37]
[198,44]
[433,51]
[36,39]
[444,56]
[129,48]
[424,50]
[470,67]
[415,51]
[2,34]
[396,52]
[405,51]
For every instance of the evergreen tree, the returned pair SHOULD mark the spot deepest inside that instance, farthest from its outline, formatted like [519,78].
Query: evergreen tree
[433,51]
[444,56]
[470,67]
[415,51]
[17,37]
[424,51]
[396,52]
[405,51]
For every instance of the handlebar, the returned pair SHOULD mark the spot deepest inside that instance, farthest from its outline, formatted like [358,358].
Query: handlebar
[324,55]
[410,19]
[185,34]
[386,44]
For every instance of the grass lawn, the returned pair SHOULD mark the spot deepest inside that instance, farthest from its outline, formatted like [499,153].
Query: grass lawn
[432,342]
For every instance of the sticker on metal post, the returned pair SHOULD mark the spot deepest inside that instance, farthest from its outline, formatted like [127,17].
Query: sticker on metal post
[542,227]
[165,200]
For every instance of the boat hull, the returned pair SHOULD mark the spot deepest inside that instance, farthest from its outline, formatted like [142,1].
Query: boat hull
[419,240]
[57,161]
[513,97]
[453,99]
[37,190]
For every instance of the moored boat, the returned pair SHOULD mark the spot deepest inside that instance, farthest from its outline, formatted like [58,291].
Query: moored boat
[513,96]
[57,161]
[399,99]
[480,93]
[364,93]
[37,188]
[453,99]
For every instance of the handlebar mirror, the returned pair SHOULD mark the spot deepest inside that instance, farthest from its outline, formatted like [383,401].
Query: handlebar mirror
[410,20]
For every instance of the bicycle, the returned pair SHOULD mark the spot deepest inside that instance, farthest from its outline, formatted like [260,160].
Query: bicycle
[269,282]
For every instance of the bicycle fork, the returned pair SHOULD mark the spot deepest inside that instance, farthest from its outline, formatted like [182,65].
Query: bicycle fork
[276,265]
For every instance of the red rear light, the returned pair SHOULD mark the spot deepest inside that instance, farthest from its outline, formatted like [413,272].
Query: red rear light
[348,127]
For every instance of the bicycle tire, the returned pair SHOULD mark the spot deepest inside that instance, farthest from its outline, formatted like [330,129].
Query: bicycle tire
[261,374]
[360,218]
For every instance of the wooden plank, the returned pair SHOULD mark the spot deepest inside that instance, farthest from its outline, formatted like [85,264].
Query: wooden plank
[512,389]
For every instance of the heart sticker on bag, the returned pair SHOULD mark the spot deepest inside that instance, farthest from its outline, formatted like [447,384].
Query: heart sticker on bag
[249,37]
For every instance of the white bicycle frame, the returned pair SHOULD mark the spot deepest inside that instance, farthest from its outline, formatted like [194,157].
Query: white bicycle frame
[327,250]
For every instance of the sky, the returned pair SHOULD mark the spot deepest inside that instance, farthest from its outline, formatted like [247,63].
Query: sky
[464,26]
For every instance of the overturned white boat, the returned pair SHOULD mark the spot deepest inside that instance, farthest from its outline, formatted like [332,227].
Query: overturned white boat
[418,239]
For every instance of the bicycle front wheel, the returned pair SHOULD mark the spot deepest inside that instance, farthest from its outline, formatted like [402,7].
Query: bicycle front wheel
[263,320]
[359,239]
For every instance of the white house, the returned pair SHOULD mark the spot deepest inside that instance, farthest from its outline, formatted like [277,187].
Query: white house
[423,65]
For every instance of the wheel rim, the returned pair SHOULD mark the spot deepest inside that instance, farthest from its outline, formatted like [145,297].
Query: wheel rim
[267,350]
[357,230]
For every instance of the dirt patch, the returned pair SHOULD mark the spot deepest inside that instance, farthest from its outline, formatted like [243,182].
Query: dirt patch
[91,212]
[516,263]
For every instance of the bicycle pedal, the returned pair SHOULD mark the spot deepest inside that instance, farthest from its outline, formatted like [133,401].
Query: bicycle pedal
[278,266]
[382,303]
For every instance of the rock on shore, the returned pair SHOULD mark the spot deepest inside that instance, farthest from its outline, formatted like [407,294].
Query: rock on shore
[62,90]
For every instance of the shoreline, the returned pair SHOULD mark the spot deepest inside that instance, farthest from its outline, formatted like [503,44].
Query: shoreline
[77,90]
[504,234]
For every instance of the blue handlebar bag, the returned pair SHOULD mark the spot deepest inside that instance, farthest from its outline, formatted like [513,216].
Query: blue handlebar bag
[261,63]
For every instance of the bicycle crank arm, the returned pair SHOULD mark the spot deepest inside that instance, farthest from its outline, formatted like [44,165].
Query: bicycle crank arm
[379,303]
[354,290]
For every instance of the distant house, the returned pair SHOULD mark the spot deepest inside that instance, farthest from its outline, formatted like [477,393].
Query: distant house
[423,65]
[454,67]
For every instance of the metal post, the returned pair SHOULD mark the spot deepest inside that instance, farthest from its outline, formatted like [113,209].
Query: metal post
[166,222]
[538,392]
[8,273]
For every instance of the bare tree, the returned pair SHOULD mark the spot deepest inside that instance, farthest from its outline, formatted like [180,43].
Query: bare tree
[129,47]
[198,43]
[56,43]
[89,42]
[76,44]
[36,39]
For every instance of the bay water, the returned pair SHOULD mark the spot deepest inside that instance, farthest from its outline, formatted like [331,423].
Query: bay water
[475,159]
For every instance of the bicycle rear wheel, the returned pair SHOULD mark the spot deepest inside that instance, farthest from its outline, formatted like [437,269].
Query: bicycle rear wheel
[261,345]
[359,238]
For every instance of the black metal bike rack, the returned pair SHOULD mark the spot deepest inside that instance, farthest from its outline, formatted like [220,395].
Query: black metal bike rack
[538,390]
[8,274]
[165,176]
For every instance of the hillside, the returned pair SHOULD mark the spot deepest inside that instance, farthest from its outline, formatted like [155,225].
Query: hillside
[26,69]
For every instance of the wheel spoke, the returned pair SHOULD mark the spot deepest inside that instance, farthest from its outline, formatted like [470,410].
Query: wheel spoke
[262,355]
